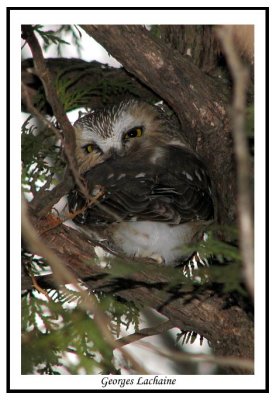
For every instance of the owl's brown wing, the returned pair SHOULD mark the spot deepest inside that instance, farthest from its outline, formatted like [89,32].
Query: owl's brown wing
[170,185]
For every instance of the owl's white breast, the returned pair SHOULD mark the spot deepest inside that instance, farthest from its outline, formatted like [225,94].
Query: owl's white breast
[153,239]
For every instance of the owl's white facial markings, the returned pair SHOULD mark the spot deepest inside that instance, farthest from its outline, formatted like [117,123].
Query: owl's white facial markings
[121,131]
[113,138]
[104,143]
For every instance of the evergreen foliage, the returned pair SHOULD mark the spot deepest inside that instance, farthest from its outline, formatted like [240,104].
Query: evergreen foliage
[58,335]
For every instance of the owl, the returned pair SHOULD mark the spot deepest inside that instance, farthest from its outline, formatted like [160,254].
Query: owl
[153,194]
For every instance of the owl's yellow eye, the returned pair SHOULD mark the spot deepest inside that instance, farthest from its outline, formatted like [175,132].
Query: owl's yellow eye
[133,133]
[92,148]
[89,148]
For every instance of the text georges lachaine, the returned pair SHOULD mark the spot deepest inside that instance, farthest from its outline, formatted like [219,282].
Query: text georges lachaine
[109,381]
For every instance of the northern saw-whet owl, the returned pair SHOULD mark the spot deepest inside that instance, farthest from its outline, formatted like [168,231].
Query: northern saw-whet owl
[156,196]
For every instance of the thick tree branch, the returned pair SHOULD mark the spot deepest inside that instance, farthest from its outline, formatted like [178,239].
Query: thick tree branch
[228,327]
[161,69]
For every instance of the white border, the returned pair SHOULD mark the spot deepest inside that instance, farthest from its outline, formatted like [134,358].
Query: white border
[136,17]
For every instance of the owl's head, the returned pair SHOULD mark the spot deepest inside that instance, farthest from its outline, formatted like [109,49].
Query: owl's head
[118,131]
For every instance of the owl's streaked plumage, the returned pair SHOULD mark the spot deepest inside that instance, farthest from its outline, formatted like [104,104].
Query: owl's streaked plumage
[156,193]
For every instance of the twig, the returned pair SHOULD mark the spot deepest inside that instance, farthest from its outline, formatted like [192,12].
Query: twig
[44,74]
[33,110]
[240,76]
[60,273]
[43,202]
[69,216]
[225,361]
[39,288]
[146,332]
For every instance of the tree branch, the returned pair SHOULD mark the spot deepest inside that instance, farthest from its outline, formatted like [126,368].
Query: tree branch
[228,327]
[68,133]
[245,207]
[176,356]
[146,332]
[163,70]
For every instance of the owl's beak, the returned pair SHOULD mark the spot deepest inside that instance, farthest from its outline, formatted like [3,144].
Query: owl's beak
[116,152]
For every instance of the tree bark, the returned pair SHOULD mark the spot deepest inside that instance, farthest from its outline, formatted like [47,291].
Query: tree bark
[225,324]
[199,42]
